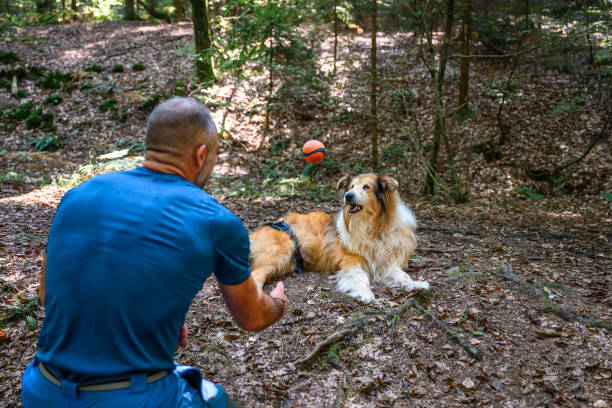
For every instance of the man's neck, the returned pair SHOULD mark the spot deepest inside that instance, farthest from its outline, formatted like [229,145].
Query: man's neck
[165,168]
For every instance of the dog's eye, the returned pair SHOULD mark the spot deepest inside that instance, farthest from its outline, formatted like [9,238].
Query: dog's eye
[366,187]
[352,185]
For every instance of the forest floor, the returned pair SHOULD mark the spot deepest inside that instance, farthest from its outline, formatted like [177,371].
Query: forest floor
[521,276]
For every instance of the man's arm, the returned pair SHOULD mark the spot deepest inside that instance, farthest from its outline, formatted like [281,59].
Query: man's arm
[251,308]
[41,287]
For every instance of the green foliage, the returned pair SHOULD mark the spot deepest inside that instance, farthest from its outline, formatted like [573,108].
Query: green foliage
[138,67]
[117,68]
[53,100]
[22,112]
[606,196]
[18,72]
[8,57]
[19,311]
[94,68]
[527,192]
[46,143]
[20,94]
[54,80]
[151,102]
[569,106]
[34,121]
[109,104]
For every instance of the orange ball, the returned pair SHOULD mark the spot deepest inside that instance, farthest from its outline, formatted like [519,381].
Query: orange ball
[314,151]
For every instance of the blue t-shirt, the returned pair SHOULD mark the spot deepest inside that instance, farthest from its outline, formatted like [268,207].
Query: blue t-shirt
[126,254]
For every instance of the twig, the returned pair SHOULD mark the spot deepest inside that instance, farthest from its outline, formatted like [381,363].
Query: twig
[437,251]
[505,272]
[471,350]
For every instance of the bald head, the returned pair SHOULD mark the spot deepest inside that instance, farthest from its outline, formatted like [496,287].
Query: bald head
[179,124]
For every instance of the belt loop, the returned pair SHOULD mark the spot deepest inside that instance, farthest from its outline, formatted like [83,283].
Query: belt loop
[69,388]
[138,383]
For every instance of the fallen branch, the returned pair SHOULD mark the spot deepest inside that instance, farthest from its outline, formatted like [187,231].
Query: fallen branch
[341,395]
[547,306]
[351,328]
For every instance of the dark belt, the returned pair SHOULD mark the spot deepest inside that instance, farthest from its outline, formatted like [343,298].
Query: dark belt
[105,386]
[284,227]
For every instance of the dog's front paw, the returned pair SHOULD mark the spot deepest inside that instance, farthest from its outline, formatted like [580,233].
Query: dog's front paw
[365,297]
[420,285]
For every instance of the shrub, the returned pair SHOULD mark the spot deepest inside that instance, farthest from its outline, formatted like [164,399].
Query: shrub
[53,100]
[47,120]
[117,68]
[20,94]
[138,67]
[94,68]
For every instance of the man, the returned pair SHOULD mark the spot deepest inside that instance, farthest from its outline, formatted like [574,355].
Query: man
[126,254]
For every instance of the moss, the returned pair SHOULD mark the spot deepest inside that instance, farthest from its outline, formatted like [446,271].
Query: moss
[117,68]
[138,67]
[20,94]
[54,80]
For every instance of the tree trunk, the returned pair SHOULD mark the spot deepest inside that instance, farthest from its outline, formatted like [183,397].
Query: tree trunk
[373,78]
[129,13]
[179,9]
[526,14]
[464,81]
[204,68]
[73,6]
[439,97]
[335,34]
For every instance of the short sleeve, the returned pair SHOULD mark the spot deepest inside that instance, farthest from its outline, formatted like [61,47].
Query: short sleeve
[231,248]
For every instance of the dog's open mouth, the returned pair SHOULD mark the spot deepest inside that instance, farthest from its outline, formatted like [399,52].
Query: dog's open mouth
[355,208]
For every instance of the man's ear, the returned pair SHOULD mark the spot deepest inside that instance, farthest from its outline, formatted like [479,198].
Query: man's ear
[343,183]
[388,184]
[201,155]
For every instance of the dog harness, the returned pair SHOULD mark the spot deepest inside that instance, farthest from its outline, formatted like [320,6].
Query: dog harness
[284,227]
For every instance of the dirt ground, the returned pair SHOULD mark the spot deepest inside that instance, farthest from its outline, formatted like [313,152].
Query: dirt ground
[523,282]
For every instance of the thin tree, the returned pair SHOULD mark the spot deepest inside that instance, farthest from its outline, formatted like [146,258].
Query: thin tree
[74,7]
[335,34]
[129,13]
[373,78]
[204,67]
[464,79]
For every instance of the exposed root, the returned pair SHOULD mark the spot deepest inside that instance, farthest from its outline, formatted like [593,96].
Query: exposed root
[547,306]
[351,328]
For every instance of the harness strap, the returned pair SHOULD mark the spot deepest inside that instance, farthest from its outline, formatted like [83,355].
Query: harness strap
[108,386]
[284,227]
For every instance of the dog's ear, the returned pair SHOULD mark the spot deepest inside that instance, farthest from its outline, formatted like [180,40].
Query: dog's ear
[343,183]
[388,184]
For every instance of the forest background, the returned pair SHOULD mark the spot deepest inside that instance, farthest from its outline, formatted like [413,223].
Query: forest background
[493,115]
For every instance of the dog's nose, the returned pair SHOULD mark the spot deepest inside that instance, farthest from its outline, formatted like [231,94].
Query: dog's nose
[349,198]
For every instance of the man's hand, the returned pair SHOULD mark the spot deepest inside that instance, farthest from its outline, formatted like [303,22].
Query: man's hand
[251,308]
[183,335]
[278,293]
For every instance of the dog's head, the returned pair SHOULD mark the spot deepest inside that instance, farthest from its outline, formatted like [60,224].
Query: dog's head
[367,194]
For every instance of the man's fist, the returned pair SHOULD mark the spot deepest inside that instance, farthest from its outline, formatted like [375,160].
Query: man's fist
[279,293]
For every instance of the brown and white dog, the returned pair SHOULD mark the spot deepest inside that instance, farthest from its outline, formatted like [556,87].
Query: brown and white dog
[369,240]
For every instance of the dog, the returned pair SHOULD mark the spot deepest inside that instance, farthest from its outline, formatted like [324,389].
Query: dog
[369,240]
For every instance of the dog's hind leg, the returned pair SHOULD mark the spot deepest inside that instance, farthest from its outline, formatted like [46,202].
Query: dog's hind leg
[272,254]
[397,277]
